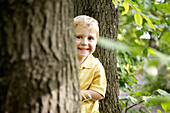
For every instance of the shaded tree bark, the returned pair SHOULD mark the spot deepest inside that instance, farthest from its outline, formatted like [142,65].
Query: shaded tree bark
[152,41]
[38,64]
[108,18]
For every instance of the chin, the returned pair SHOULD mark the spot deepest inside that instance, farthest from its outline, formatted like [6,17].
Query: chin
[83,55]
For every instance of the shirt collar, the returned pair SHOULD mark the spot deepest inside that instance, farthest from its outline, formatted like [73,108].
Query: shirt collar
[87,63]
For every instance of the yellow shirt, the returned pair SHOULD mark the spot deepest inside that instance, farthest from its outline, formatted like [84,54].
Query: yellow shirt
[92,77]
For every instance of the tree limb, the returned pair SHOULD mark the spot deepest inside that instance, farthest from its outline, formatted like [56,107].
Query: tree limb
[133,105]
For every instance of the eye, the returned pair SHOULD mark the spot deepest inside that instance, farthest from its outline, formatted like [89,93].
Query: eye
[90,38]
[78,37]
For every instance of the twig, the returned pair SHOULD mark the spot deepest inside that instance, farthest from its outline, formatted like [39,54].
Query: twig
[133,105]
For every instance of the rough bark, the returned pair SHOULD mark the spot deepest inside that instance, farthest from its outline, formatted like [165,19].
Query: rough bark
[38,64]
[108,18]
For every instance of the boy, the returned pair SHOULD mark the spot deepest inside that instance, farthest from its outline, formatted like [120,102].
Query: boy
[91,72]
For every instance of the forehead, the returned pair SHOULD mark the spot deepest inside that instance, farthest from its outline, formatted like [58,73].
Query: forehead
[92,30]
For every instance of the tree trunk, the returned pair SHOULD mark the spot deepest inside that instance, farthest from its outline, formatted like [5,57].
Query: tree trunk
[108,18]
[38,63]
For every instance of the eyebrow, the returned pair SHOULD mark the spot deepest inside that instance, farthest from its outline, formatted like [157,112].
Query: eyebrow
[88,36]
[78,34]
[92,36]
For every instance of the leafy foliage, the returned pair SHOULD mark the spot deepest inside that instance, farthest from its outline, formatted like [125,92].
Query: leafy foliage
[143,48]
[152,18]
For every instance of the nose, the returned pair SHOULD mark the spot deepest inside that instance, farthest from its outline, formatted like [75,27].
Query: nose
[84,41]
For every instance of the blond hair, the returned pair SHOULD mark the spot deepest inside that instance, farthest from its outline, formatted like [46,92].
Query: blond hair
[87,21]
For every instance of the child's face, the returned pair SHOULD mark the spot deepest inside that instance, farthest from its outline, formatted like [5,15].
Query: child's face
[86,40]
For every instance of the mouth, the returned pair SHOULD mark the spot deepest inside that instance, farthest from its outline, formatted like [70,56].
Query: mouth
[83,48]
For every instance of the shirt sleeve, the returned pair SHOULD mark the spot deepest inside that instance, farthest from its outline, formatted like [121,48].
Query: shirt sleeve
[99,80]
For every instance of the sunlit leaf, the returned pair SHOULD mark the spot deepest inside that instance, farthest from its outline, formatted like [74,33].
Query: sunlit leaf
[138,18]
[151,25]
[159,111]
[115,2]
[126,8]
[160,29]
[165,106]
[149,22]
[162,92]
[146,18]
[133,4]
[133,100]
[151,51]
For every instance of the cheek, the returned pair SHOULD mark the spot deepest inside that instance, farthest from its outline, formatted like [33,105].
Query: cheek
[93,47]
[77,42]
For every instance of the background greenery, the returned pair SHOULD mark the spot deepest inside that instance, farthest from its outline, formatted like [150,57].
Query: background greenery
[143,52]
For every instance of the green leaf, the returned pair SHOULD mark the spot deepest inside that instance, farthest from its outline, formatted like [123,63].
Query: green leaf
[115,2]
[133,4]
[166,36]
[160,29]
[124,102]
[166,7]
[162,92]
[157,100]
[126,8]
[133,100]
[124,89]
[146,18]
[159,111]
[134,79]
[138,18]
[84,96]
[90,97]
[151,51]
[149,22]
[137,93]
[165,106]
[151,25]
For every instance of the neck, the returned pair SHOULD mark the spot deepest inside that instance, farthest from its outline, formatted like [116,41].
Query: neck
[81,60]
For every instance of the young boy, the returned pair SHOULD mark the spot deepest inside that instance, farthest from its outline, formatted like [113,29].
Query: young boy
[91,72]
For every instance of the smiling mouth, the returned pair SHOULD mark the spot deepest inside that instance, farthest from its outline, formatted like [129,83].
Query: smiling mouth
[83,48]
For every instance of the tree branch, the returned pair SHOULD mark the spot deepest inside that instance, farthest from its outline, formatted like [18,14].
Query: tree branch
[133,105]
